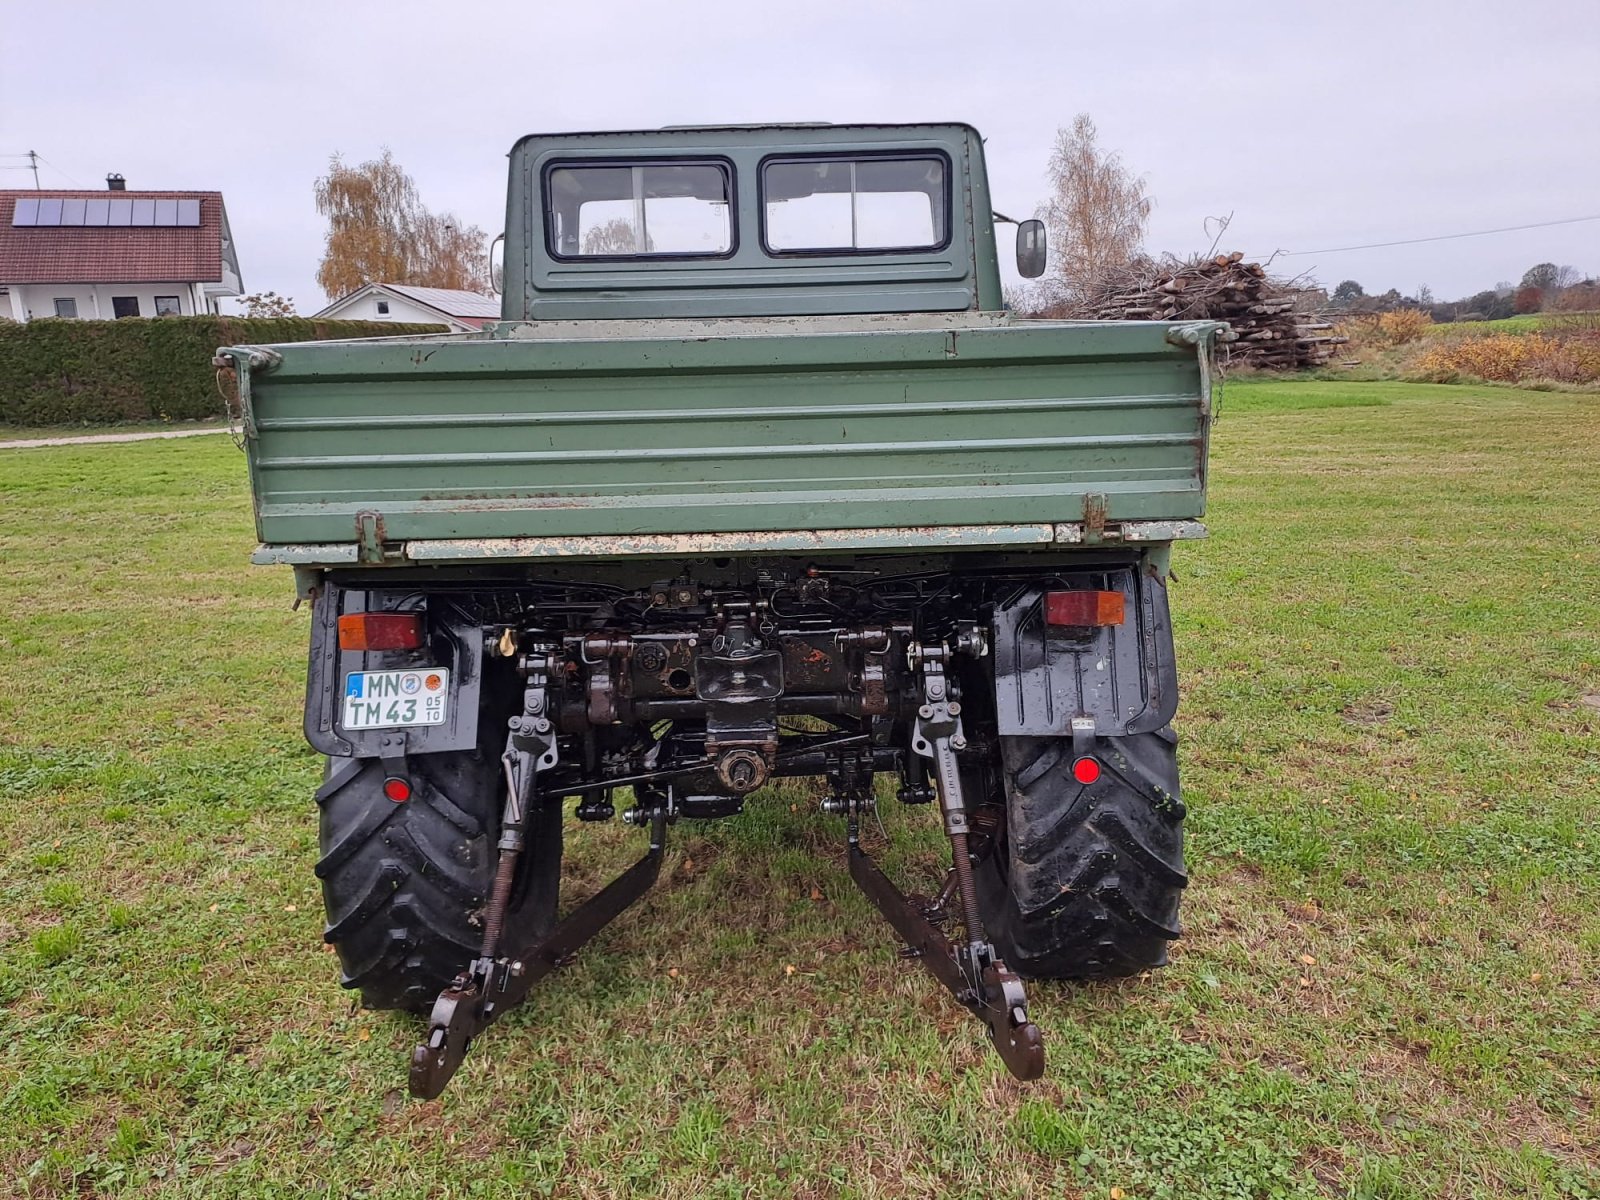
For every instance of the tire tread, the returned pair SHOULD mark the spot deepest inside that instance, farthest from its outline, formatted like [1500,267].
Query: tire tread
[1087,880]
[403,883]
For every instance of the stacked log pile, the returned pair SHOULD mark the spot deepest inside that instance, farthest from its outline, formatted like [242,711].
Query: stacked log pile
[1274,328]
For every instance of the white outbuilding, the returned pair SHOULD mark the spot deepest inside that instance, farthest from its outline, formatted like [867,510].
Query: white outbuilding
[400,302]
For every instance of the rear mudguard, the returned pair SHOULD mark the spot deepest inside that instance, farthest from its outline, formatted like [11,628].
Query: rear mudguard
[453,641]
[1124,676]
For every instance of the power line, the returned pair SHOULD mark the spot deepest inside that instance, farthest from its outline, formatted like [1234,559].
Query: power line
[58,170]
[34,159]
[1445,237]
[33,165]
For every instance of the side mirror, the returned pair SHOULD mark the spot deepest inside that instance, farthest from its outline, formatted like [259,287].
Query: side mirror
[497,264]
[1031,252]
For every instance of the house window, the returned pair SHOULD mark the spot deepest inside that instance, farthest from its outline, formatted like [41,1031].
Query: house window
[66,306]
[167,306]
[124,306]
[383,308]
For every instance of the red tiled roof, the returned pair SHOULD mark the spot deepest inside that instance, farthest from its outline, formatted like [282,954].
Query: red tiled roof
[86,254]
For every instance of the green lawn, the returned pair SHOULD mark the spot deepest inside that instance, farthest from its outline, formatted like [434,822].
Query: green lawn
[1387,988]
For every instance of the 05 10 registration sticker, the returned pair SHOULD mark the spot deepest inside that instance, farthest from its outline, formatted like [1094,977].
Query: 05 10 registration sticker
[389,699]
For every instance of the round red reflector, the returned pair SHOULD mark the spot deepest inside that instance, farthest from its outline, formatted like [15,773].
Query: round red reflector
[397,789]
[1086,770]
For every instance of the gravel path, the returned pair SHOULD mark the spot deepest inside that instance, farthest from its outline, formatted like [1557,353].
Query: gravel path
[88,439]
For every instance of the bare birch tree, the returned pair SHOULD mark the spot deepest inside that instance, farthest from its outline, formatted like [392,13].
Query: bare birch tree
[1097,211]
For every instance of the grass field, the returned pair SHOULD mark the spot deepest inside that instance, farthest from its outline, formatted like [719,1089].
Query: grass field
[1526,323]
[1387,988]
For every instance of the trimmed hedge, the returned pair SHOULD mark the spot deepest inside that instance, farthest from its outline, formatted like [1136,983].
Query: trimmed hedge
[59,372]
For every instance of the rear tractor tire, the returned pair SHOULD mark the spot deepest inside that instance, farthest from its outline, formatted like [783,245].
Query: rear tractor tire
[405,884]
[1086,881]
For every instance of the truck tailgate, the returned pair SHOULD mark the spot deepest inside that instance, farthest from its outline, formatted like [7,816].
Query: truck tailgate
[761,425]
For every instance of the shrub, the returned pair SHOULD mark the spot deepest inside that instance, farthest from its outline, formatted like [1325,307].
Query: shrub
[71,372]
[1511,358]
[1381,331]
[1403,325]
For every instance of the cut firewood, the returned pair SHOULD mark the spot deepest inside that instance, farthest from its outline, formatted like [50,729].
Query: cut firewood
[1274,326]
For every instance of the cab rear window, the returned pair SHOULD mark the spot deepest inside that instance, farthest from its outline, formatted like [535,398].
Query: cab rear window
[855,205]
[617,209]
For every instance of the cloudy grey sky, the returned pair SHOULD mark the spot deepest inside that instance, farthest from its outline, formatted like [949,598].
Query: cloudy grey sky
[1363,122]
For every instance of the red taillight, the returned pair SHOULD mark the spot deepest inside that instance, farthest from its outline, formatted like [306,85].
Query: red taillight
[1086,769]
[380,631]
[1083,608]
[397,789]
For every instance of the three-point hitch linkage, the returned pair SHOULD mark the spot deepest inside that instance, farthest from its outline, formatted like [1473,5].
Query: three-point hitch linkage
[510,963]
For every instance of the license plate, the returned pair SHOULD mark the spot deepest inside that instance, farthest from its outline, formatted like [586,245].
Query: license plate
[389,699]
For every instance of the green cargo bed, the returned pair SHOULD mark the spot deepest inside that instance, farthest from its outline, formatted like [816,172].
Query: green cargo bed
[648,436]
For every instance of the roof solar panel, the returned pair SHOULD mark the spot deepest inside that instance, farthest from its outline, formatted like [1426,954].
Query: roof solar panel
[105,211]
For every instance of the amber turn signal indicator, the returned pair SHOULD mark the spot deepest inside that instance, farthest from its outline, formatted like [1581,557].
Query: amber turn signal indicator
[380,631]
[1083,608]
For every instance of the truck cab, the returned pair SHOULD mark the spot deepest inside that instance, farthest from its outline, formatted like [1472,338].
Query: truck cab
[751,221]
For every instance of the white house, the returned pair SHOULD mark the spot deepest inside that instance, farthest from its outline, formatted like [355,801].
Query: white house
[461,311]
[116,253]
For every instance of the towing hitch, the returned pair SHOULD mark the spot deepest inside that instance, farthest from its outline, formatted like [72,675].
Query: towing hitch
[491,987]
[497,980]
[970,970]
[980,983]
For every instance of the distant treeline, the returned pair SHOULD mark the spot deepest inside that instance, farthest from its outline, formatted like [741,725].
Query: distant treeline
[1545,287]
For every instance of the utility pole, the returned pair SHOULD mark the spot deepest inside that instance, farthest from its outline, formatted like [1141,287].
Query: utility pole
[33,164]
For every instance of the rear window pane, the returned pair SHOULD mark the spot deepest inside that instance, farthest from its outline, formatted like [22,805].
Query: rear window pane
[639,209]
[866,204]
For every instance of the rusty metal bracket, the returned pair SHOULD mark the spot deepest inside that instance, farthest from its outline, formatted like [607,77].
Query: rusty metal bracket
[1094,518]
[369,537]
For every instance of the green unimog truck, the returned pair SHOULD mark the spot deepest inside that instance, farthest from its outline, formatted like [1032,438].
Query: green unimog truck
[756,478]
